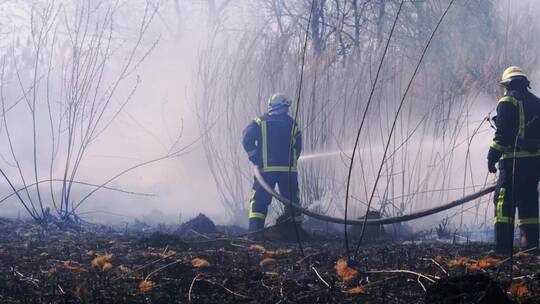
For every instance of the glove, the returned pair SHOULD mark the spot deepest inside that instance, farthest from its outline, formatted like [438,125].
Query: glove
[493,157]
[491,167]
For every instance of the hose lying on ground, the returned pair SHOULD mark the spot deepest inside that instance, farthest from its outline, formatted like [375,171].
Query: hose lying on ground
[382,221]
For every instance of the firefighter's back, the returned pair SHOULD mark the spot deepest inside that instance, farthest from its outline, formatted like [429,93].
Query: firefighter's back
[528,106]
[277,141]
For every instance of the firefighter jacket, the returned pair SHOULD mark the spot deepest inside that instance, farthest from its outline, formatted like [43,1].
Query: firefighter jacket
[273,143]
[517,123]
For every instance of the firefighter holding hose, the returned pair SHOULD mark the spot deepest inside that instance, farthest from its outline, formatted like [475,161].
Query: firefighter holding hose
[273,143]
[516,149]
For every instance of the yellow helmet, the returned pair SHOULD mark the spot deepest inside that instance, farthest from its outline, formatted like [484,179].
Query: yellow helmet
[511,72]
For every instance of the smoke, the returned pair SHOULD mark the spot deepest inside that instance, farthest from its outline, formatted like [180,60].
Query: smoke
[158,117]
[216,64]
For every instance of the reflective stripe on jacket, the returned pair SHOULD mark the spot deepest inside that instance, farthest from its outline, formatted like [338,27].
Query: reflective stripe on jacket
[518,125]
[276,140]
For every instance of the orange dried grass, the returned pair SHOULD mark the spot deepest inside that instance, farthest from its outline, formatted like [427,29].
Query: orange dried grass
[101,260]
[518,289]
[146,285]
[257,248]
[488,262]
[345,273]
[267,262]
[461,261]
[199,263]
[356,290]
[107,267]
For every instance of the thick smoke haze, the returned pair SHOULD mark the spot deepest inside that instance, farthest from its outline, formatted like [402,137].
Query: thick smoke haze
[204,69]
[159,117]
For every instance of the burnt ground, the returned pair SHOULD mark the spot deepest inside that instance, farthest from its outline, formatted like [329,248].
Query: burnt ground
[97,265]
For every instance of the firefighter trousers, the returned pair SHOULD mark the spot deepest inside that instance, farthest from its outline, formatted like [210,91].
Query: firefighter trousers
[517,188]
[260,199]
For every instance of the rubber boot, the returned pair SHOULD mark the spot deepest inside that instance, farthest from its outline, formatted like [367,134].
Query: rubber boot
[286,226]
[256,225]
[504,238]
[529,236]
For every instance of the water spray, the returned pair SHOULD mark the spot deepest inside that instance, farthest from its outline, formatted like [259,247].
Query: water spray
[324,155]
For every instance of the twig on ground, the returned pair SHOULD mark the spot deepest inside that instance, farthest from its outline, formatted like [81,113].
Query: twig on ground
[305,257]
[371,284]
[25,278]
[228,290]
[518,253]
[436,263]
[425,276]
[528,276]
[143,266]
[161,268]
[238,245]
[191,286]
[200,234]
[319,276]
[421,285]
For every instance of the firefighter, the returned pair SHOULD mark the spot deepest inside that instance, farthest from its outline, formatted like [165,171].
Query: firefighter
[273,143]
[516,149]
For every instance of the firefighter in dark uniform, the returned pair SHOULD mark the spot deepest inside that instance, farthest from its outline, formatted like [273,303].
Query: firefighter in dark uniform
[273,143]
[516,148]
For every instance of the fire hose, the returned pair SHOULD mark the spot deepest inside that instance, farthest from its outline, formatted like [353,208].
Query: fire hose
[381,221]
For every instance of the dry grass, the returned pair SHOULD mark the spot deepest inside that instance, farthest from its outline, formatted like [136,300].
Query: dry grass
[101,260]
[345,273]
[199,263]
[146,286]
[268,262]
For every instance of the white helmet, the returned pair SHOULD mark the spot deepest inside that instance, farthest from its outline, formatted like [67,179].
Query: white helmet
[278,103]
[278,100]
[510,73]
